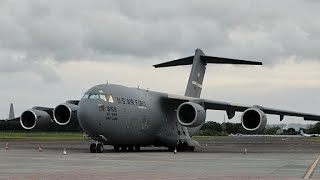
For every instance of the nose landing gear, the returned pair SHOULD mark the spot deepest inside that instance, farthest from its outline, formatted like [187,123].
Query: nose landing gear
[96,147]
[93,148]
[100,148]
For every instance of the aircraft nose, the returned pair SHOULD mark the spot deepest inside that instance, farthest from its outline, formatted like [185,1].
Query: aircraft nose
[85,118]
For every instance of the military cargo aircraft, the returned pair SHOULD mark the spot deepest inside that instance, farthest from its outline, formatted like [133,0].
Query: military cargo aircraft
[130,118]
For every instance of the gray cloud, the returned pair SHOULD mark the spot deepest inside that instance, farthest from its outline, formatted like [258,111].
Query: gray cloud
[63,32]
[14,64]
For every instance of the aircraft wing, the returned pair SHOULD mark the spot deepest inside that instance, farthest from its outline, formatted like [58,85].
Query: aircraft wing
[49,110]
[42,117]
[13,119]
[231,108]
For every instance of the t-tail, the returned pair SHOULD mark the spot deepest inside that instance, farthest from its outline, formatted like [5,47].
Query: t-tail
[11,112]
[199,62]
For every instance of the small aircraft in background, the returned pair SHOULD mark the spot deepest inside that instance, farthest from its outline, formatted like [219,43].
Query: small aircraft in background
[308,135]
[11,113]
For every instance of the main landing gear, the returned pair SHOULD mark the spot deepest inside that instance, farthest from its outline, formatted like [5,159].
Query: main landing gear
[96,148]
[126,148]
[182,147]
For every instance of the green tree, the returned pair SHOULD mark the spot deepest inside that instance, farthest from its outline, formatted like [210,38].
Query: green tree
[210,125]
[235,128]
[290,131]
[272,130]
[211,128]
[315,129]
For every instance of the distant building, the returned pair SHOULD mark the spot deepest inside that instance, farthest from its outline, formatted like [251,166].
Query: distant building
[279,131]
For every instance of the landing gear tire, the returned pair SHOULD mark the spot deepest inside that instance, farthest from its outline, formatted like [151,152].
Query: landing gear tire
[136,148]
[100,148]
[191,148]
[116,148]
[124,148]
[130,148]
[93,148]
[185,147]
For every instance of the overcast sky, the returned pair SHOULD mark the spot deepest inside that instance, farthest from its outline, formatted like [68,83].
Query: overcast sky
[52,51]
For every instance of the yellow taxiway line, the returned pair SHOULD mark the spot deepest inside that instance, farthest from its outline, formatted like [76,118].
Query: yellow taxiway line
[312,168]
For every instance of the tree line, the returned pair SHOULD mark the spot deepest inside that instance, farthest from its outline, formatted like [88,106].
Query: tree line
[15,126]
[211,128]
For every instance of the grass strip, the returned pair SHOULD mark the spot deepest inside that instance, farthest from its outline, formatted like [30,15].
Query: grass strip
[42,136]
[208,138]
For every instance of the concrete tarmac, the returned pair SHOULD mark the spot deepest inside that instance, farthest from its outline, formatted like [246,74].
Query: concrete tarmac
[218,158]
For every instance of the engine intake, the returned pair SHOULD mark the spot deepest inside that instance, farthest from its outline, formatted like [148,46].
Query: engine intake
[34,118]
[253,119]
[64,113]
[190,114]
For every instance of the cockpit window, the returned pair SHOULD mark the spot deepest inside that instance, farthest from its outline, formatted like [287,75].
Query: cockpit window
[94,96]
[110,99]
[86,96]
[107,97]
[103,97]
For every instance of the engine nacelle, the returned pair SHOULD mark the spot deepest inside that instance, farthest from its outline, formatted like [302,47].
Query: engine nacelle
[34,118]
[253,119]
[65,113]
[190,114]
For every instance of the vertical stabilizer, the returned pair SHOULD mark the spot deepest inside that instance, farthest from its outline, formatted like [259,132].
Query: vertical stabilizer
[199,62]
[11,112]
[198,70]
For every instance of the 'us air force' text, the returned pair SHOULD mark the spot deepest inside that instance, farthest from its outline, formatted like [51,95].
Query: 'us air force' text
[133,102]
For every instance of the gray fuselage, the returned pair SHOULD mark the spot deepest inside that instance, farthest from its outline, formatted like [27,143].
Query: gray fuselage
[129,116]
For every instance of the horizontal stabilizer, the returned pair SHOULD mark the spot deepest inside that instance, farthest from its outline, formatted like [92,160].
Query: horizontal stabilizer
[221,60]
[178,62]
[206,60]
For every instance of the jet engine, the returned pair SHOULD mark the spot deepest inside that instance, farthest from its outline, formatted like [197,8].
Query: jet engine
[64,113]
[190,114]
[253,119]
[34,118]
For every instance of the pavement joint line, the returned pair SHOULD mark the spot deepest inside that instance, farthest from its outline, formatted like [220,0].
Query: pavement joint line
[312,168]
